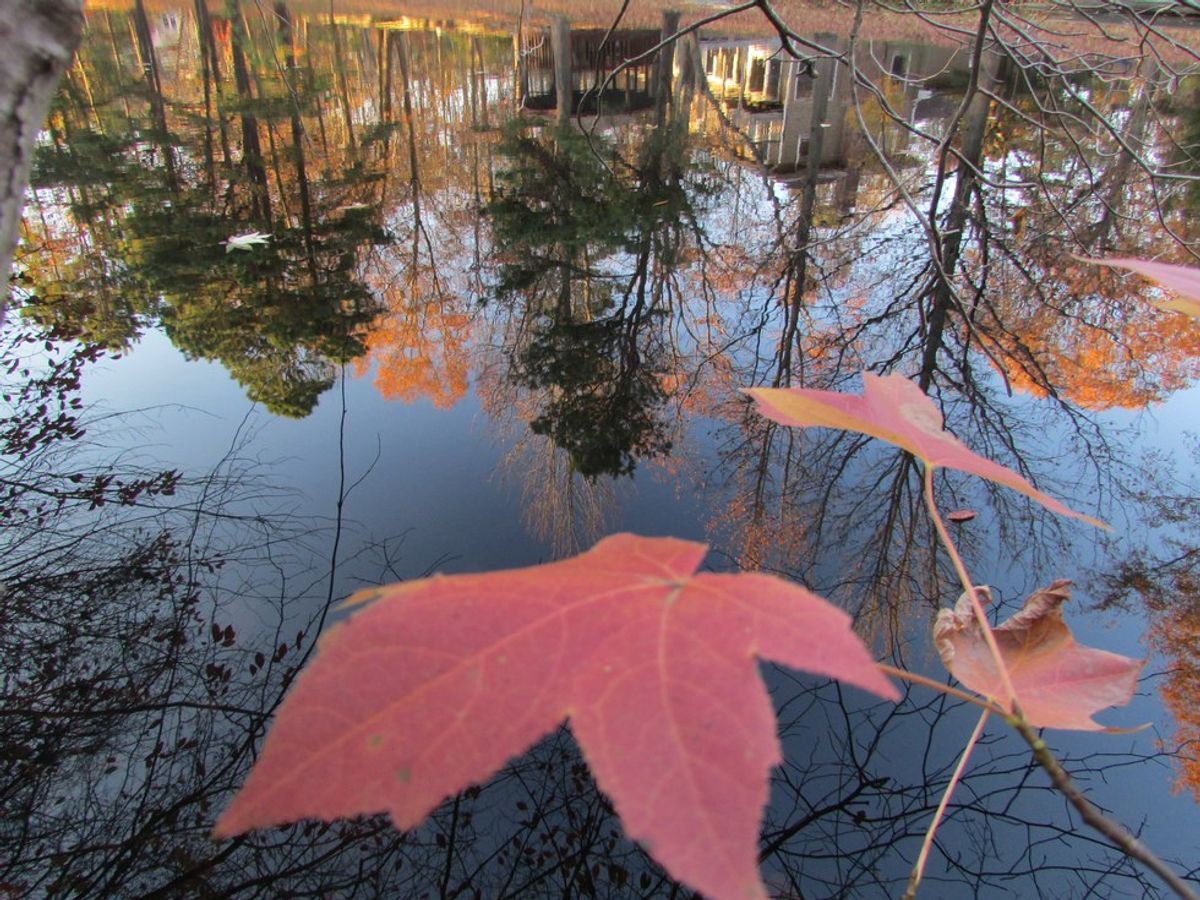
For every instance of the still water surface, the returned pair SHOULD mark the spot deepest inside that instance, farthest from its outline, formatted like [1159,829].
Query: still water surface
[483,333]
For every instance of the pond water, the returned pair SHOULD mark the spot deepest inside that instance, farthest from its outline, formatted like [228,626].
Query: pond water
[318,296]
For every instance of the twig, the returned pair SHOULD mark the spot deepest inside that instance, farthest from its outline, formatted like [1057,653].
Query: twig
[982,702]
[919,869]
[1116,833]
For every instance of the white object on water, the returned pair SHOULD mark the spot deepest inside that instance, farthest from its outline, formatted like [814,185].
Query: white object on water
[246,241]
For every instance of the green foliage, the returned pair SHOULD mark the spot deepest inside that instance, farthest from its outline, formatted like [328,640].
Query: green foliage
[603,400]
[556,209]
[568,214]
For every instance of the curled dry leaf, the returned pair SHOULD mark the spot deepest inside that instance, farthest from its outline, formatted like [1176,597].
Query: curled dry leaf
[895,410]
[440,681]
[961,515]
[1059,683]
[1183,280]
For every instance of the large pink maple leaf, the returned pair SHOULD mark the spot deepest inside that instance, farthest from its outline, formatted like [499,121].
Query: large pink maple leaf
[438,682]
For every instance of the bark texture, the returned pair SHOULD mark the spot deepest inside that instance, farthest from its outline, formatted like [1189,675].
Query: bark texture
[37,38]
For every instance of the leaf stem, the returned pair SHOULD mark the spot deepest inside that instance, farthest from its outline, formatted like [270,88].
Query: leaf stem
[972,594]
[904,675]
[919,869]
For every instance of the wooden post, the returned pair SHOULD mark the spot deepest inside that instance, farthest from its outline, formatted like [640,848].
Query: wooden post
[689,62]
[560,46]
[519,87]
[660,74]
[664,66]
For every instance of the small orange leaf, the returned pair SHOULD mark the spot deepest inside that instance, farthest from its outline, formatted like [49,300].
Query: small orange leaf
[1058,683]
[1183,280]
[895,410]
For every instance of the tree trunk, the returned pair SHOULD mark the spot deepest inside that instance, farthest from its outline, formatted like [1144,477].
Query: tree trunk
[38,37]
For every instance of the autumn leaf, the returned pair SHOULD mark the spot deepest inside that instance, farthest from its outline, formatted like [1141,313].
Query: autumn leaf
[438,682]
[1183,280]
[895,410]
[1058,683]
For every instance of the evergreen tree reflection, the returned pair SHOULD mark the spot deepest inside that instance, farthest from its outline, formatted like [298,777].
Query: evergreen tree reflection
[587,241]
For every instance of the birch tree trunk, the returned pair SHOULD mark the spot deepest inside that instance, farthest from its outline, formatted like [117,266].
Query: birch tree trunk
[37,38]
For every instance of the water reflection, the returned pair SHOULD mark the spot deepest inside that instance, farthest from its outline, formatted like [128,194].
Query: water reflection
[403,123]
[130,700]
[601,278]
[1161,574]
[586,254]
[782,105]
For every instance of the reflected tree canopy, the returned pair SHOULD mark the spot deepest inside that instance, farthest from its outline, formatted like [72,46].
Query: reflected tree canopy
[587,247]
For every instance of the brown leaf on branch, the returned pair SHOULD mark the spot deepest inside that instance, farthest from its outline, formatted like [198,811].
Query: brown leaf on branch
[1059,683]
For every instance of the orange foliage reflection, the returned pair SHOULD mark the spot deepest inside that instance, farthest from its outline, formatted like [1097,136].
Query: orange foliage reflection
[1177,636]
[419,351]
[1105,347]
